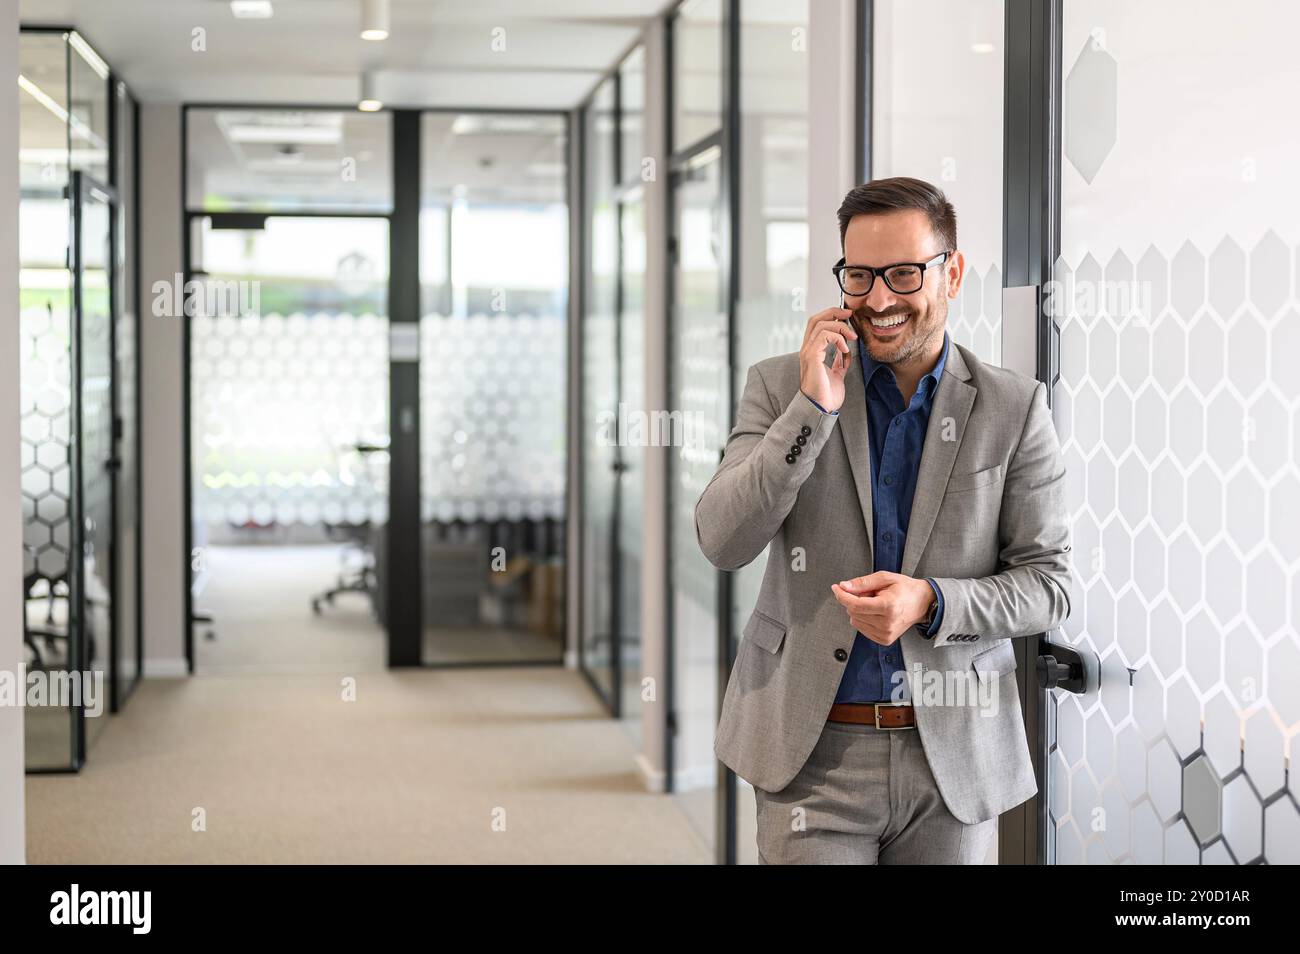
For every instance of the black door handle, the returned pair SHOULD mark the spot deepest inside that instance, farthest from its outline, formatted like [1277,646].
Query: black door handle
[1063,667]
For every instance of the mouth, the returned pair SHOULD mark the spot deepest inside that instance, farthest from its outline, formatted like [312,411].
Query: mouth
[889,324]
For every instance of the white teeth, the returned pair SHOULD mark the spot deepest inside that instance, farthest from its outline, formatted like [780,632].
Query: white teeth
[888,322]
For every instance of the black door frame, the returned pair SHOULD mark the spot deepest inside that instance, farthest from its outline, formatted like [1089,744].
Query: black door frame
[1031,237]
[80,186]
[404,626]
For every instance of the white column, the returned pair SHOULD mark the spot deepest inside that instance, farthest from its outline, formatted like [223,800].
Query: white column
[162,393]
[654,519]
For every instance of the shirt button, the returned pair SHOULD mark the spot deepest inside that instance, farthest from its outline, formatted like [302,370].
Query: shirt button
[889,479]
[887,536]
[841,655]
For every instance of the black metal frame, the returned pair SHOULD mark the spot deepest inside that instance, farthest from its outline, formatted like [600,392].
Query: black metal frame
[118,696]
[403,586]
[622,192]
[80,184]
[864,59]
[1031,242]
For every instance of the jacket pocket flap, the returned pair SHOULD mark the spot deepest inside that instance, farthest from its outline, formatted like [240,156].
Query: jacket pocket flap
[995,661]
[977,479]
[764,632]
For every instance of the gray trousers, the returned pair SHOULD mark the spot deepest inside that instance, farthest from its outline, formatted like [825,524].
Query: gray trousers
[866,796]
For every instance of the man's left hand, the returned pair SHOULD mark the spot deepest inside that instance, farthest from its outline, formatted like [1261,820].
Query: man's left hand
[883,606]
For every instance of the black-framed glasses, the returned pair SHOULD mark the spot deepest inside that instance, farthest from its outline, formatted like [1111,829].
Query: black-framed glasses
[903,278]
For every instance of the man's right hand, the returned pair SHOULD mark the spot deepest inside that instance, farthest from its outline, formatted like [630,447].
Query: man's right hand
[826,385]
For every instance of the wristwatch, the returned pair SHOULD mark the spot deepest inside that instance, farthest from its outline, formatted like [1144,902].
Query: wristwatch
[928,621]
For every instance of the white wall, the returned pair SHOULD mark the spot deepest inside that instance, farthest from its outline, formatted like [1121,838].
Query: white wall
[162,394]
[12,816]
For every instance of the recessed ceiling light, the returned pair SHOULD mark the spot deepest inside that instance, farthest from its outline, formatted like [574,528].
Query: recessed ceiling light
[251,9]
[374,19]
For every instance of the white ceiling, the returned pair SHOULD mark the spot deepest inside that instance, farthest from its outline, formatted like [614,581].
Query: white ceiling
[438,53]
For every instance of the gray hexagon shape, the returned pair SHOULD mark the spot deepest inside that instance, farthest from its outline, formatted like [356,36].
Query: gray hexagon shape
[1202,800]
[1148,835]
[1116,833]
[1284,346]
[1204,651]
[1270,273]
[1183,722]
[1150,423]
[1091,109]
[1263,756]
[1167,493]
[1188,280]
[1153,280]
[1224,574]
[1243,818]
[1227,278]
[1284,517]
[1180,845]
[1265,594]
[1222,735]
[1164,780]
[1169,354]
[1283,664]
[1131,762]
[1225,430]
[1282,833]
[1148,561]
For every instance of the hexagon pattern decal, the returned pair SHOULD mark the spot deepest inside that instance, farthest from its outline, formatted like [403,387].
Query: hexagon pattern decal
[1178,407]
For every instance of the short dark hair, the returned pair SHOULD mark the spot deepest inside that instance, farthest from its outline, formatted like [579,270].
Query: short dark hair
[881,196]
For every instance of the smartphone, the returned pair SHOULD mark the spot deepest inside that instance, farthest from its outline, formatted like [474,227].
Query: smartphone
[831,350]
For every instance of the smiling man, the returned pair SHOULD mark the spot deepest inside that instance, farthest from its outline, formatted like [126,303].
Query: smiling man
[912,499]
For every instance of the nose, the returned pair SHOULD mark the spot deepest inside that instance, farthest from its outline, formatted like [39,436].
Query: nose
[880,298]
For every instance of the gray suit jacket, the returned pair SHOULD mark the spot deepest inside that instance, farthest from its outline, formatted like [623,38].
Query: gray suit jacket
[988,523]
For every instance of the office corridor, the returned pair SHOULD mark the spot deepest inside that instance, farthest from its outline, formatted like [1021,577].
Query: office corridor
[424,767]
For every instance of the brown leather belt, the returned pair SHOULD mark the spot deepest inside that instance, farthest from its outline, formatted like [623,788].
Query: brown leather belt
[882,715]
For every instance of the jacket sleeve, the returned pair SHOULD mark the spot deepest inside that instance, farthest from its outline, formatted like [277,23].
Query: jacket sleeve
[1030,594]
[762,469]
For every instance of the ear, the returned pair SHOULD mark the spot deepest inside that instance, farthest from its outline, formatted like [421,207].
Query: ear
[955,270]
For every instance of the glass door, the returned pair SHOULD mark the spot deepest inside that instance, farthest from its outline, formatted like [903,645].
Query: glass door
[95,449]
[698,388]
[1176,312]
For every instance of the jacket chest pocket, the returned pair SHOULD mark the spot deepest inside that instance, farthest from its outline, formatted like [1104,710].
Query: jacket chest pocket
[960,482]
[764,632]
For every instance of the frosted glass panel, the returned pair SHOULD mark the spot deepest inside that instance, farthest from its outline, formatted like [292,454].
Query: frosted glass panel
[1178,326]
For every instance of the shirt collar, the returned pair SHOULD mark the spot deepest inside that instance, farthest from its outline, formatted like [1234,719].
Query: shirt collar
[870,366]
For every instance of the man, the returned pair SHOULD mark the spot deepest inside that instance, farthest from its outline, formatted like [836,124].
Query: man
[912,498]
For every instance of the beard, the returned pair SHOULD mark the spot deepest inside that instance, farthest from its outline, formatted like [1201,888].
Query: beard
[922,327]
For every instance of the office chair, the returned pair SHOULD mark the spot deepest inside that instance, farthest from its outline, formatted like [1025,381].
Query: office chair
[357,573]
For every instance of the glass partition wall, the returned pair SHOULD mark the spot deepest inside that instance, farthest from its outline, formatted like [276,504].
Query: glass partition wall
[613,388]
[79,341]
[493,385]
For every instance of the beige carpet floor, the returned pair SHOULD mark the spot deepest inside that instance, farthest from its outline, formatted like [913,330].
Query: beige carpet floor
[463,766]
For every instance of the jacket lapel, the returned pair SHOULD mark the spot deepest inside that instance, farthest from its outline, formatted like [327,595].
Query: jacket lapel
[943,436]
[857,441]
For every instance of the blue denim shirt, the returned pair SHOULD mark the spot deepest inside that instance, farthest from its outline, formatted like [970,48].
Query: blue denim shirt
[897,437]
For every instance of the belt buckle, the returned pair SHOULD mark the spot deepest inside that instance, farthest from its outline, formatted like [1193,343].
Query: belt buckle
[888,728]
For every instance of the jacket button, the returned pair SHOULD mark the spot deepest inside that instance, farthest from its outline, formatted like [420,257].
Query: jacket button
[805,430]
[841,655]
[801,440]
[789,458]
[796,450]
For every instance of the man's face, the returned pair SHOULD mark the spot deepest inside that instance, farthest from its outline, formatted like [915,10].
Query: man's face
[904,236]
